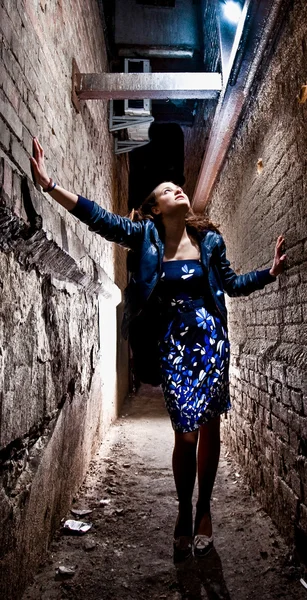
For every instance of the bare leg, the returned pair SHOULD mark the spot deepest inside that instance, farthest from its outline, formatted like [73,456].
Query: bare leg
[208,458]
[184,469]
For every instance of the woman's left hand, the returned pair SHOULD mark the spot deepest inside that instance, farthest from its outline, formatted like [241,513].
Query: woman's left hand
[279,258]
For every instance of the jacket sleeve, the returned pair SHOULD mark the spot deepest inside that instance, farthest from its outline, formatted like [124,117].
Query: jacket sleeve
[112,227]
[240,285]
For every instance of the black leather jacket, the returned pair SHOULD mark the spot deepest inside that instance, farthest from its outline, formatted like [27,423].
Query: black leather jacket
[143,239]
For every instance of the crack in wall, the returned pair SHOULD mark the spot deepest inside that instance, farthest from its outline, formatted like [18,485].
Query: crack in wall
[20,453]
[31,247]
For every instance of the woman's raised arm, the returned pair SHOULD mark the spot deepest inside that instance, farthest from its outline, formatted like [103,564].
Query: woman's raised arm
[243,285]
[112,227]
[63,197]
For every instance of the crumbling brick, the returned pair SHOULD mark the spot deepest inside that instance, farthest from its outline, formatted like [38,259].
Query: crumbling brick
[269,327]
[48,271]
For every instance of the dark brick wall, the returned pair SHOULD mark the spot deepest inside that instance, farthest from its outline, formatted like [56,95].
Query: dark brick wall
[267,427]
[61,286]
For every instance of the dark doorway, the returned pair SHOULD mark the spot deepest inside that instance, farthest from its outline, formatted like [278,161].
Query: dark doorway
[160,160]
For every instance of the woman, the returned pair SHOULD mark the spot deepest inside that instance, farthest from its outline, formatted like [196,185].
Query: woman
[180,272]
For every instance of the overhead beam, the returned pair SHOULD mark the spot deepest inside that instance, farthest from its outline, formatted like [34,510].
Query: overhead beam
[155,52]
[266,20]
[121,86]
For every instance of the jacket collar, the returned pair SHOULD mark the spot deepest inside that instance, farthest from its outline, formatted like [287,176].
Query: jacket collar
[207,240]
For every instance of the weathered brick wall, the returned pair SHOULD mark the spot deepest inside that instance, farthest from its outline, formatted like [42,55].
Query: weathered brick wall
[268,424]
[60,284]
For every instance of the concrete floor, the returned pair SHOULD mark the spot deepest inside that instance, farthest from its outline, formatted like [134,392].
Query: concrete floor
[128,552]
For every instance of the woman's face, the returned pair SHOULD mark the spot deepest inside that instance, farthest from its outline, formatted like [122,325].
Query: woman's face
[170,199]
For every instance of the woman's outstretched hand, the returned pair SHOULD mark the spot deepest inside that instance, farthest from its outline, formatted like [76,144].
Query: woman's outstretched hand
[279,258]
[63,197]
[38,164]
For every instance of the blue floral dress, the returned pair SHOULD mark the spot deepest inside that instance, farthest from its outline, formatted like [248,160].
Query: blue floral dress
[194,347]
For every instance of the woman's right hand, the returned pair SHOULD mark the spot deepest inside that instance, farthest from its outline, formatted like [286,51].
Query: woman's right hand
[38,164]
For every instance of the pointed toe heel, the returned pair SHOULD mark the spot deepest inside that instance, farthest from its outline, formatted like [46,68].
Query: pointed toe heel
[182,547]
[202,545]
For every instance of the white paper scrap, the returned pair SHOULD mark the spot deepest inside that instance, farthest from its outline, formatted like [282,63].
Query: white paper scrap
[77,526]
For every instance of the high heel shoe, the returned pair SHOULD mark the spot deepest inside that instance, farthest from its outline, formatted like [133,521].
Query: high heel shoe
[182,547]
[183,538]
[202,544]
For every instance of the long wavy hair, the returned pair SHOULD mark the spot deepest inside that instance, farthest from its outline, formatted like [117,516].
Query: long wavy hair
[195,222]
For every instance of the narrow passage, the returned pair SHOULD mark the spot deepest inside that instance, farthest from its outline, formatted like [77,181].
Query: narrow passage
[128,551]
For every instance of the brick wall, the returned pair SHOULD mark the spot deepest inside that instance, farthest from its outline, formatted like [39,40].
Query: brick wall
[61,299]
[267,427]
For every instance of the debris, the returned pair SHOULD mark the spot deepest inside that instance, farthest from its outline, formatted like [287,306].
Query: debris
[126,465]
[105,501]
[81,512]
[76,527]
[109,512]
[89,545]
[260,166]
[115,551]
[302,97]
[303,582]
[268,570]
[65,572]
[237,475]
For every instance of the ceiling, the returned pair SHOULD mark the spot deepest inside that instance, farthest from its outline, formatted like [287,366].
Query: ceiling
[189,138]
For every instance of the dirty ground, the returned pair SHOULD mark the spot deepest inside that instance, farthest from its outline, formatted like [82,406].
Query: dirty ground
[128,551]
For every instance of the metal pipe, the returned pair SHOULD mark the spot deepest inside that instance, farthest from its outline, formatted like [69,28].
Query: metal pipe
[233,99]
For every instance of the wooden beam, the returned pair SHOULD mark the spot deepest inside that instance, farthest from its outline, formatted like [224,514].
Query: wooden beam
[119,86]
